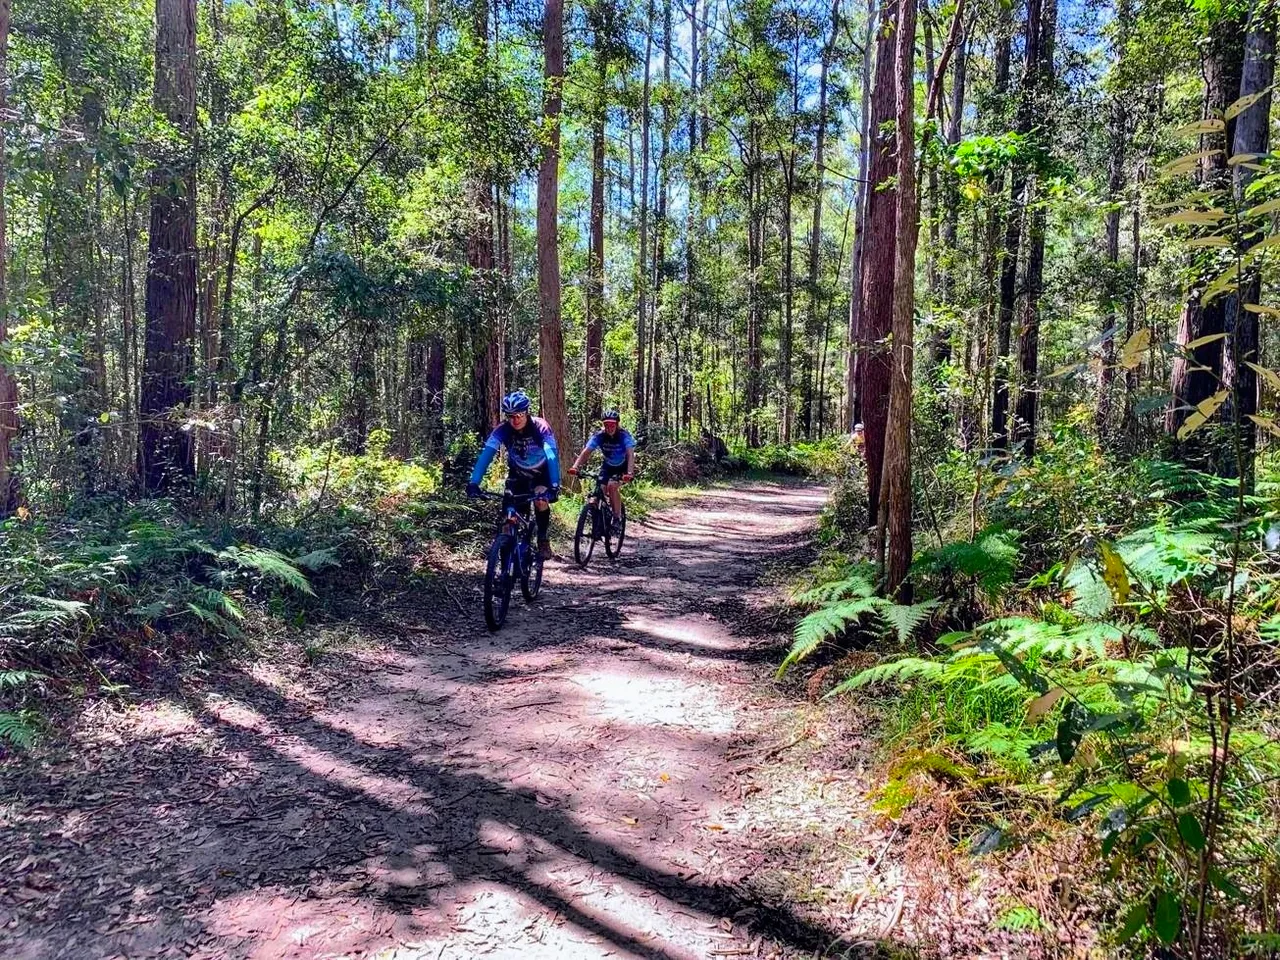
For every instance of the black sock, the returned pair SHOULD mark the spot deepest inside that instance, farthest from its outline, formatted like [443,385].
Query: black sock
[544,522]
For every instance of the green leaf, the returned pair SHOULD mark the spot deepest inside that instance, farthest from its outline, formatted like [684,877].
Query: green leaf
[1179,792]
[1131,352]
[1205,409]
[1186,164]
[1244,103]
[1070,731]
[1134,921]
[1114,573]
[1262,209]
[1226,885]
[1202,341]
[1201,127]
[1189,830]
[1191,218]
[1168,917]
[1042,704]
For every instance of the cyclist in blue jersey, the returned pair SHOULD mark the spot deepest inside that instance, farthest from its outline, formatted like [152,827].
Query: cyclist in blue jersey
[618,449]
[533,461]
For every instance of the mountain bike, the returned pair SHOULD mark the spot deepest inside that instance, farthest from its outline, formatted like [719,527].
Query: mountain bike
[512,556]
[595,523]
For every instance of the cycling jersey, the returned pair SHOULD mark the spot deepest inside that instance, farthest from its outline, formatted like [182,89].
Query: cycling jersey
[530,451]
[612,448]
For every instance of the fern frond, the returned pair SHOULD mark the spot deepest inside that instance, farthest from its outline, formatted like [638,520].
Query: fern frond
[905,619]
[19,728]
[823,624]
[318,560]
[901,670]
[268,563]
[12,679]
[217,601]
[219,623]
[854,586]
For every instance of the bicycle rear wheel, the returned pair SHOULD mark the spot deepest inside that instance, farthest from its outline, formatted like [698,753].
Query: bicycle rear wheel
[612,540]
[584,541]
[497,582]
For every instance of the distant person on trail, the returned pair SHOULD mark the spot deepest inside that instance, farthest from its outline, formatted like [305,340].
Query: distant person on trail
[533,461]
[618,448]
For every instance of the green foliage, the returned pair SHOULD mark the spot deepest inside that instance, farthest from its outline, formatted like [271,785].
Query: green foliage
[844,603]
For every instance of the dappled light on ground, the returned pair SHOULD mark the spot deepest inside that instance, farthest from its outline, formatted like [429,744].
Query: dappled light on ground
[555,790]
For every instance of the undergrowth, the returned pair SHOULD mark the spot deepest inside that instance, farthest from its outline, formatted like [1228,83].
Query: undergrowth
[1059,672]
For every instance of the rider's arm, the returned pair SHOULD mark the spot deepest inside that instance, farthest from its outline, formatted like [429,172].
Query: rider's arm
[490,450]
[592,444]
[629,442]
[553,454]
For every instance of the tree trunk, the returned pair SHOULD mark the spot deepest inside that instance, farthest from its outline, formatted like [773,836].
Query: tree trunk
[165,449]
[1199,377]
[951,196]
[550,332]
[852,406]
[593,382]
[9,488]
[1029,335]
[1013,233]
[660,228]
[896,505]
[755,311]
[1251,137]
[876,319]
[642,271]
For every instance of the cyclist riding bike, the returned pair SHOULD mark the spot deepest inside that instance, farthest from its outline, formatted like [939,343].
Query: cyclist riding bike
[533,461]
[618,449]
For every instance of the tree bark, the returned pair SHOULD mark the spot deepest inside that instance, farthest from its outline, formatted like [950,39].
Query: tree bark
[1013,233]
[896,504]
[876,318]
[593,382]
[165,450]
[9,487]
[852,405]
[1251,137]
[1199,377]
[642,272]
[550,331]
[941,347]
[1029,334]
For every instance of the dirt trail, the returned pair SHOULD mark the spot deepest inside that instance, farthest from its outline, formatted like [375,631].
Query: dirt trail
[565,788]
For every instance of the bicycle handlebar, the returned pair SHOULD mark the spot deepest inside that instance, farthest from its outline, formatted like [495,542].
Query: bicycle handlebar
[515,497]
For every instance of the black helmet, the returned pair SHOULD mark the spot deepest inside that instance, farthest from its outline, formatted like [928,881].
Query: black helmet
[610,414]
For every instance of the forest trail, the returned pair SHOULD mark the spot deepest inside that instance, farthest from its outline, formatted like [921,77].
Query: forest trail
[564,788]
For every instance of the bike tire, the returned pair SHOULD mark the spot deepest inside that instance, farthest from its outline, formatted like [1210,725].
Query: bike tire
[497,583]
[531,575]
[612,542]
[584,543]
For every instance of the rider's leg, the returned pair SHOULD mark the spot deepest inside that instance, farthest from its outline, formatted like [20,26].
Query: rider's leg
[615,497]
[542,516]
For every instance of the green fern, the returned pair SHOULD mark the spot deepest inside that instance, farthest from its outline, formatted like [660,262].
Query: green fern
[20,727]
[823,624]
[903,669]
[905,619]
[215,620]
[318,560]
[12,679]
[853,586]
[268,563]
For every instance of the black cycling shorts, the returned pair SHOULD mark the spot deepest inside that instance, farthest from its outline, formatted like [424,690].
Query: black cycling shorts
[609,472]
[522,484]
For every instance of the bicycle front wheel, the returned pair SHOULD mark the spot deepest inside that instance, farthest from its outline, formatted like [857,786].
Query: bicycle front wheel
[497,583]
[613,540]
[531,572]
[584,541]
